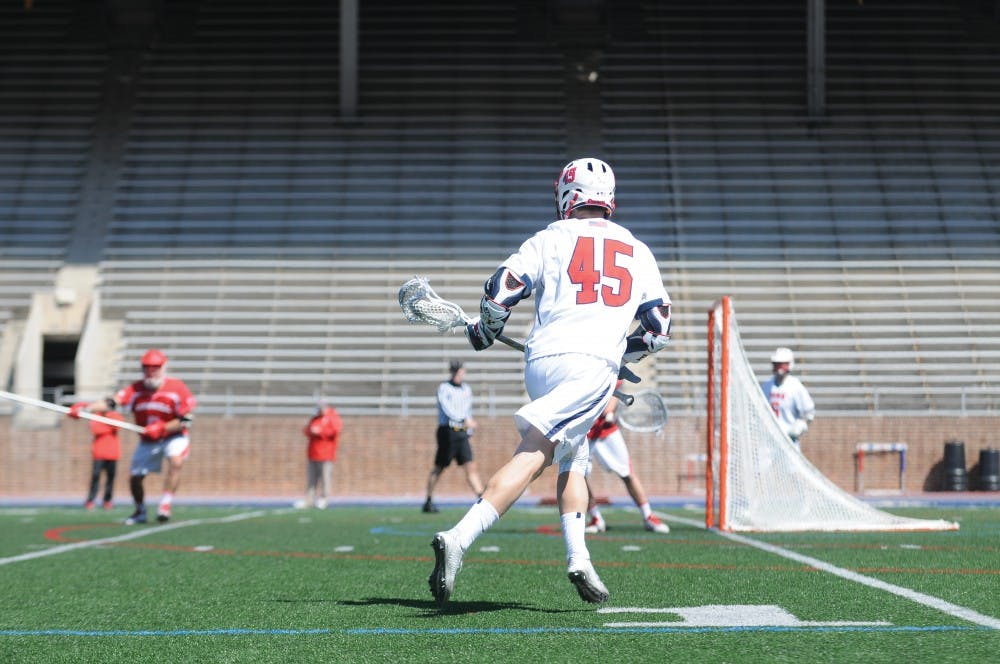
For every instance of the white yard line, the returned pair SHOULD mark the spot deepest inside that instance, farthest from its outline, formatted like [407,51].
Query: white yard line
[912,595]
[135,534]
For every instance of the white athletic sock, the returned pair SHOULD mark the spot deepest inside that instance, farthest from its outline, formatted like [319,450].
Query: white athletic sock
[480,517]
[573,525]
[646,510]
[167,498]
[596,513]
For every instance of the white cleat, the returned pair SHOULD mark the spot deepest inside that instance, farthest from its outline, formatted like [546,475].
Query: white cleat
[447,562]
[596,525]
[588,584]
[654,524]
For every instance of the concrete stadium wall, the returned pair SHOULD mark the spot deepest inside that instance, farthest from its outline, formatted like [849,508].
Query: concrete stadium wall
[389,457]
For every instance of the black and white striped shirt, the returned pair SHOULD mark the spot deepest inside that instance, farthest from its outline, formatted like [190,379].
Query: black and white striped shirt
[454,404]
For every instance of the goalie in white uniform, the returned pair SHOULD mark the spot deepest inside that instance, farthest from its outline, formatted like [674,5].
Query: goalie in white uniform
[591,279]
[788,397]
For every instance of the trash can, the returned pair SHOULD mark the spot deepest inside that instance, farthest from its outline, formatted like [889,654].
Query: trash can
[989,469]
[955,476]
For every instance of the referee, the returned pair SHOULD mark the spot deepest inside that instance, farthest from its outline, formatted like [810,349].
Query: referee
[455,425]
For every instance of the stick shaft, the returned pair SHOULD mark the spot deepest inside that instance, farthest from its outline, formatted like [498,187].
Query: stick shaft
[10,396]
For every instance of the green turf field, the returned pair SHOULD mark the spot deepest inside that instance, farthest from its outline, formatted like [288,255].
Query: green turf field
[350,584]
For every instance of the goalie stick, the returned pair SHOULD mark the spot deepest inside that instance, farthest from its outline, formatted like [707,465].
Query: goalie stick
[420,304]
[647,413]
[10,396]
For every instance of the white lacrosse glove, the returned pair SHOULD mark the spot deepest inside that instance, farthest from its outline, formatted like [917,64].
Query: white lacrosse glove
[635,347]
[797,428]
[482,332]
[479,335]
[493,315]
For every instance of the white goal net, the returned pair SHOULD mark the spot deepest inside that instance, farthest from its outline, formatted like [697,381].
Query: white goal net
[757,480]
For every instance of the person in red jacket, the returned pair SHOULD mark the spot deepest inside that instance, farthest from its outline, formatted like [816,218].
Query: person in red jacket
[105,450]
[323,432]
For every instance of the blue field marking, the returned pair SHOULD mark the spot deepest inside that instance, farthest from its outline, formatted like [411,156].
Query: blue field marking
[388,631]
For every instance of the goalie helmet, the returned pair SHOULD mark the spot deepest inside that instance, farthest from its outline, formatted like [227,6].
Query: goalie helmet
[783,356]
[585,182]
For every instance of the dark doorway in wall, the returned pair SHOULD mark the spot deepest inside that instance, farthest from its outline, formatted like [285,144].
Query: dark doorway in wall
[58,367]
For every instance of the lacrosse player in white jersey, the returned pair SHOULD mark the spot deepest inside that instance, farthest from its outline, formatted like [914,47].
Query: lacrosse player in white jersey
[788,397]
[591,279]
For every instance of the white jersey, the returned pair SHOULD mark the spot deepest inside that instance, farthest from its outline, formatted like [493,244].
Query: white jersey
[590,277]
[790,401]
[454,404]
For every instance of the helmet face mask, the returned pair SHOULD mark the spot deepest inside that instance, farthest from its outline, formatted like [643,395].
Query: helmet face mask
[585,182]
[153,363]
[782,362]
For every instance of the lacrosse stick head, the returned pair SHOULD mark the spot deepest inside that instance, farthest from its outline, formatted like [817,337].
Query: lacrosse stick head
[420,304]
[647,413]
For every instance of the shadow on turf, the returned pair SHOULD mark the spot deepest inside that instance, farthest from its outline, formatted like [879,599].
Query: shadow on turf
[433,609]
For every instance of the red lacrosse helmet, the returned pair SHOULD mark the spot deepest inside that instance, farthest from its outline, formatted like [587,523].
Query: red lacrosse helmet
[154,358]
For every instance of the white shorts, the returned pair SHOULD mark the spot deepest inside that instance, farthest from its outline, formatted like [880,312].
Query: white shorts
[612,453]
[567,394]
[148,457]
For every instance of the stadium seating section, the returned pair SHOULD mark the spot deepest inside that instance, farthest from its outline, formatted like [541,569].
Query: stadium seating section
[258,237]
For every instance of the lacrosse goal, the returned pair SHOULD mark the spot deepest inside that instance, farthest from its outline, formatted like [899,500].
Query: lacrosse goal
[756,479]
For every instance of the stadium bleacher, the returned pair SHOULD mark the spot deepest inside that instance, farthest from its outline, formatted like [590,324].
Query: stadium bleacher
[259,239]
[50,95]
[449,130]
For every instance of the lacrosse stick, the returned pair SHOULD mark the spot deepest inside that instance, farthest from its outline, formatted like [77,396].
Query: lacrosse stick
[647,413]
[420,304]
[10,396]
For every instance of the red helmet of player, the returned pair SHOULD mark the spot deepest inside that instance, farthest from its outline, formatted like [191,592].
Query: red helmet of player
[153,362]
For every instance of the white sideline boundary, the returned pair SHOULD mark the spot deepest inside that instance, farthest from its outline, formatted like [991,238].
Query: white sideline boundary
[124,538]
[906,593]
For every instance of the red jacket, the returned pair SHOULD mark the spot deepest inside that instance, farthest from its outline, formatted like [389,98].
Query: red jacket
[323,432]
[106,446]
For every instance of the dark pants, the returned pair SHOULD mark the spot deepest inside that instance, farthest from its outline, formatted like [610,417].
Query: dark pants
[108,467]
[452,445]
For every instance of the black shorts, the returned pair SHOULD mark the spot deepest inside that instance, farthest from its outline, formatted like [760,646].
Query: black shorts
[453,445]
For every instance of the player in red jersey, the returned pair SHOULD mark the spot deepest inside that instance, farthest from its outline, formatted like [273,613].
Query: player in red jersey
[164,406]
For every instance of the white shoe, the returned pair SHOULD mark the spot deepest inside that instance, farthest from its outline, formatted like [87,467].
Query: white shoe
[321,504]
[654,524]
[596,525]
[447,562]
[588,584]
[299,504]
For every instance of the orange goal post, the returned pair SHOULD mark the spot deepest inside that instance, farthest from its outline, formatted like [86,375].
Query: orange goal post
[756,478]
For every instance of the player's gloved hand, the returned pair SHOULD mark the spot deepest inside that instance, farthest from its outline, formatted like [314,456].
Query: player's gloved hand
[493,315]
[635,347]
[797,428]
[479,335]
[156,430]
[626,374]
[74,410]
